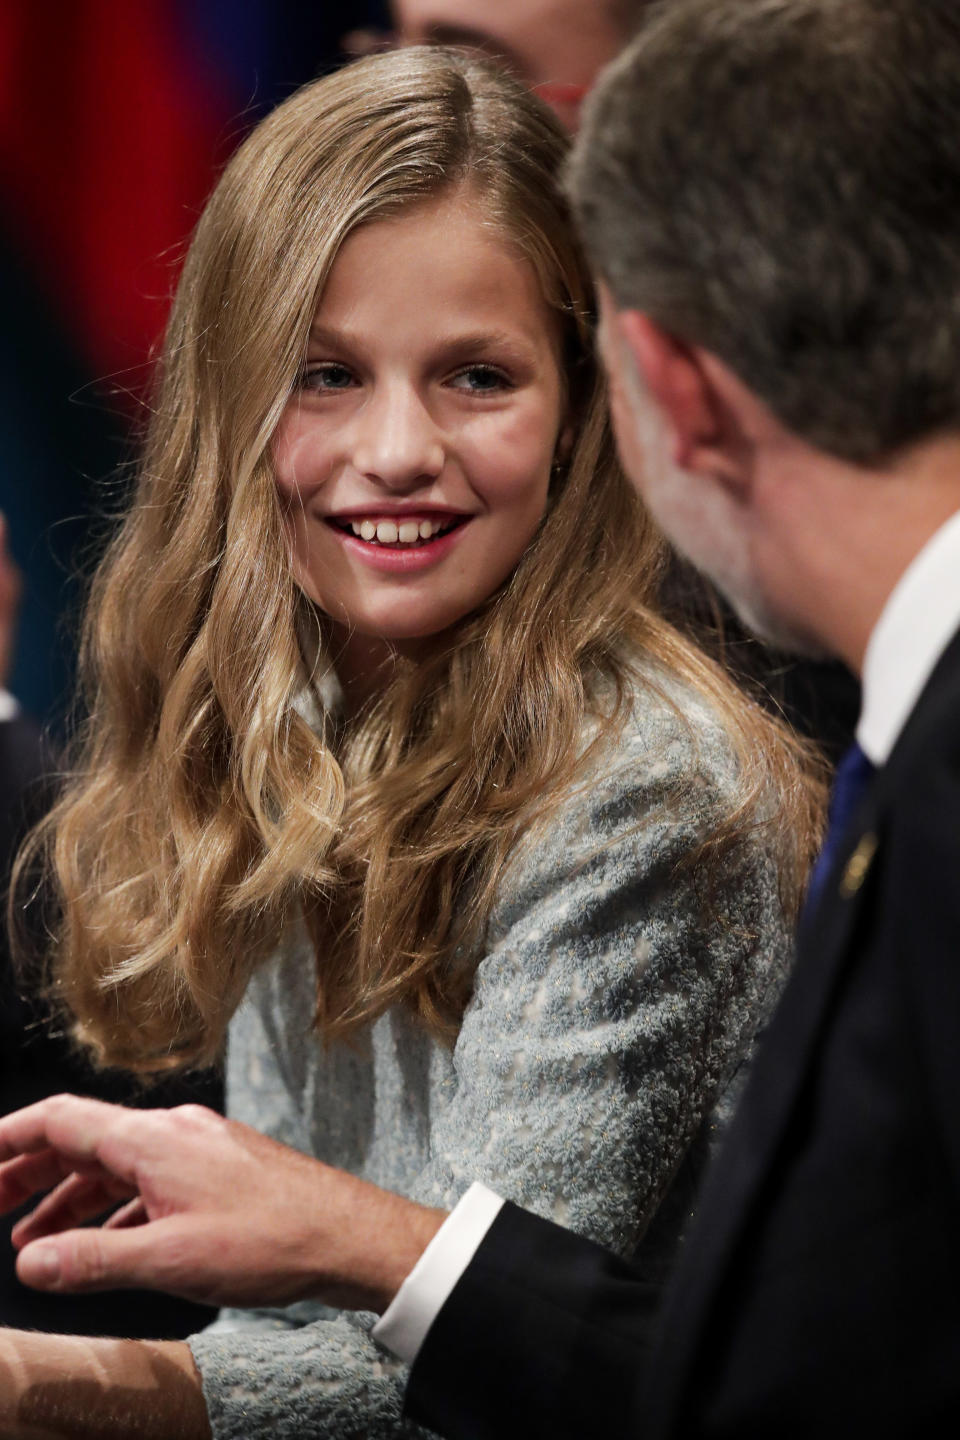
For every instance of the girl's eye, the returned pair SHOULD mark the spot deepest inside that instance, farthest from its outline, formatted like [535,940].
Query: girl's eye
[330,376]
[481,379]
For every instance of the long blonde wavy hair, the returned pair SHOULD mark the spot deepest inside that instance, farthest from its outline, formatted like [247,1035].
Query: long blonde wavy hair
[202,813]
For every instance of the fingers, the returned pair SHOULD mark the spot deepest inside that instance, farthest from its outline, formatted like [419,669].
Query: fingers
[21,1178]
[76,1200]
[33,1127]
[151,1256]
[86,1260]
[133,1213]
[55,1143]
[76,1129]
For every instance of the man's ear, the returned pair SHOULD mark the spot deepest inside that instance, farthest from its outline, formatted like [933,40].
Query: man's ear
[705,433]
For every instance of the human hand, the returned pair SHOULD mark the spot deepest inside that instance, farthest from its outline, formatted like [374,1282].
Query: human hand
[212,1210]
[10,585]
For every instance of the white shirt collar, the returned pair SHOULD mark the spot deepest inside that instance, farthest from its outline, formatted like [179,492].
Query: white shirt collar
[8,706]
[914,628]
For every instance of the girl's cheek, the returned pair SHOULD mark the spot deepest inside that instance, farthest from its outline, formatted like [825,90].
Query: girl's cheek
[504,458]
[297,461]
[517,474]
[281,452]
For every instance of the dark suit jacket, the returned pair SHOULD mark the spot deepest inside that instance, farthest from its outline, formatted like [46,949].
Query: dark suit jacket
[819,1289]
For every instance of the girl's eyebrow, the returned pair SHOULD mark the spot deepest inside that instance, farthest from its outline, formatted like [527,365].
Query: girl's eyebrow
[505,342]
[501,341]
[325,335]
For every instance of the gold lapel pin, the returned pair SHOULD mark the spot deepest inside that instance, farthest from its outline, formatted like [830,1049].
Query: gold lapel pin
[858,865]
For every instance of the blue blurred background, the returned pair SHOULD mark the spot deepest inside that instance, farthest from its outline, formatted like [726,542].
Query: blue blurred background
[115,119]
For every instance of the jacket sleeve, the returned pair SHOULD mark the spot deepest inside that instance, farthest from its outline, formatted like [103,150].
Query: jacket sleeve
[545,1333]
[616,999]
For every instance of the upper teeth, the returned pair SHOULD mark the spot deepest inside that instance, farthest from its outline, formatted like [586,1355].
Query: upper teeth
[388,532]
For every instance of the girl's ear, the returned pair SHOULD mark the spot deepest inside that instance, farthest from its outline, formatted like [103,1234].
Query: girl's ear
[565,442]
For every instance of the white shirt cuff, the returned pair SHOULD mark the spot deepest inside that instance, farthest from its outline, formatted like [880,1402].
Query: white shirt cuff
[403,1326]
[8,706]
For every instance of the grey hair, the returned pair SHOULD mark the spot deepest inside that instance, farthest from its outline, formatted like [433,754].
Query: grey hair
[779,182]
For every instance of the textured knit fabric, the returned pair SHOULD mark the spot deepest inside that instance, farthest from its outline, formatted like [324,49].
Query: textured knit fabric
[615,1001]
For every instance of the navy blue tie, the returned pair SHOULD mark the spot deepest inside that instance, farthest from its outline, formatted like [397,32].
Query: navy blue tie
[853,775]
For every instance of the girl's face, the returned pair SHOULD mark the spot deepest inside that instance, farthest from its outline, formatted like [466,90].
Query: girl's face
[414,455]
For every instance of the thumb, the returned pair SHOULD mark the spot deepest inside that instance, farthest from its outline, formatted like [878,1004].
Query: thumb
[81,1260]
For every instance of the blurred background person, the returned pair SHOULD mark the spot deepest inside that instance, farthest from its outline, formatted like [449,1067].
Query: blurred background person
[556,47]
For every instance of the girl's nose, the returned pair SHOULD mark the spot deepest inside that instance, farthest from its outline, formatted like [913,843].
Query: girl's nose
[398,443]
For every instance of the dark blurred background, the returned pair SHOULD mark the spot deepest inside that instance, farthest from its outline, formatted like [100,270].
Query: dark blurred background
[115,119]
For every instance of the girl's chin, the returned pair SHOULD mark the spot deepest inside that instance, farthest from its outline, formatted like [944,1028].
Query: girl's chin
[405,635]
[413,639]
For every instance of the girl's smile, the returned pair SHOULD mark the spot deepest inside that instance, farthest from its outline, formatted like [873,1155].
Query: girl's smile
[400,542]
[414,456]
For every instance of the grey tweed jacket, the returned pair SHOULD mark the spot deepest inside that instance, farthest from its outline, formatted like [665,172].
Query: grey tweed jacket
[615,1004]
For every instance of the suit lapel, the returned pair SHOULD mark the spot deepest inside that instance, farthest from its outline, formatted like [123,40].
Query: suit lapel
[785,1058]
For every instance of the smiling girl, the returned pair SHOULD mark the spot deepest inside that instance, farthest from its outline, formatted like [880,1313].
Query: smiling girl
[388,741]
[415,461]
